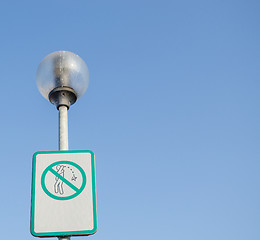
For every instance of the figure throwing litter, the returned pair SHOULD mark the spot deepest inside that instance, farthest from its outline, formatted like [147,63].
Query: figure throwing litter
[58,188]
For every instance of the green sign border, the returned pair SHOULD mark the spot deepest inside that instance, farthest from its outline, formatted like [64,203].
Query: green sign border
[68,233]
[68,197]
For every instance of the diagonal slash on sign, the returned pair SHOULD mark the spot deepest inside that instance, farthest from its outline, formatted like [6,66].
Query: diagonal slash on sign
[67,182]
[64,180]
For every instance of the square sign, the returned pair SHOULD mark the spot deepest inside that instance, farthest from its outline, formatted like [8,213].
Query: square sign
[63,194]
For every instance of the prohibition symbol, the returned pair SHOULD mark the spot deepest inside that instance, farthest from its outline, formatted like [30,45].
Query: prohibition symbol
[63,180]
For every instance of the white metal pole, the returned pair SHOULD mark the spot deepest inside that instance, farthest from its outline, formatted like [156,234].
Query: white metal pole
[63,128]
[64,238]
[63,138]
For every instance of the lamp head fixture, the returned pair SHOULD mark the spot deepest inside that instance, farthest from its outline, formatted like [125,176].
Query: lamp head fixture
[62,77]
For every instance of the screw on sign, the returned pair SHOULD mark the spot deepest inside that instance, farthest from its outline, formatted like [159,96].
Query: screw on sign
[63,180]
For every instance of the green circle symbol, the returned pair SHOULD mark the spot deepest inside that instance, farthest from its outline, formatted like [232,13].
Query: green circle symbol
[77,190]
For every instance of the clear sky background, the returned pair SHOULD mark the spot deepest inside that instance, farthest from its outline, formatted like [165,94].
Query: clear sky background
[171,112]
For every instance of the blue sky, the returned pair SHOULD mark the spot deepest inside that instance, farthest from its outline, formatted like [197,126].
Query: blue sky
[171,112]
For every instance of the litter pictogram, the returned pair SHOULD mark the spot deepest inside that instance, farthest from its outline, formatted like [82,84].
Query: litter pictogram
[63,180]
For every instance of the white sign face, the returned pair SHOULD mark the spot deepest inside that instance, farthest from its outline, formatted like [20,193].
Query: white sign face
[63,194]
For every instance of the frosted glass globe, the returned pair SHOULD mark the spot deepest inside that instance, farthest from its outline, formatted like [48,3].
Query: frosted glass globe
[62,69]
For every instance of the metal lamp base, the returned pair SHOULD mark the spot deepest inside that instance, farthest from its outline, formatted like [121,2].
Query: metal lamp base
[63,96]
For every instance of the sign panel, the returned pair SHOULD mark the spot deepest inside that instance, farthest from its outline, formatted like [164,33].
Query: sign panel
[63,194]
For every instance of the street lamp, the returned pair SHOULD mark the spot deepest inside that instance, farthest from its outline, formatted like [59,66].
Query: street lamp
[62,77]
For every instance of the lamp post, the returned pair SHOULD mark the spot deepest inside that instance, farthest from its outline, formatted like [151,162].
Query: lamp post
[62,77]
